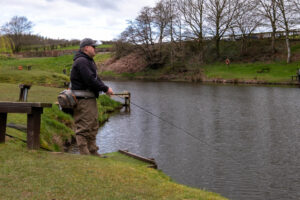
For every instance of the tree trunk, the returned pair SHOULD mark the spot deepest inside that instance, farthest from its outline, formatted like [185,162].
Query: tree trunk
[243,45]
[273,43]
[218,47]
[200,49]
[288,47]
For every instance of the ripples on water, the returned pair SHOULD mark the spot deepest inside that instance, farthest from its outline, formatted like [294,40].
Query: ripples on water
[248,137]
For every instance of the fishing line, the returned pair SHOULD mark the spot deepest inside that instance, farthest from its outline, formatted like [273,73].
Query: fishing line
[182,129]
[259,174]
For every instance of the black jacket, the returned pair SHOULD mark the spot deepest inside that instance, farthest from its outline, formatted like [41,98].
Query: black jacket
[84,75]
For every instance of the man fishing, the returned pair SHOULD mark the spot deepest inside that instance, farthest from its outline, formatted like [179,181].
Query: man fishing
[86,86]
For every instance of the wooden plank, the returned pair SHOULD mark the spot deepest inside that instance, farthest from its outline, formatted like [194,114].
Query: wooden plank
[14,109]
[33,128]
[21,107]
[147,160]
[122,95]
[24,104]
[3,120]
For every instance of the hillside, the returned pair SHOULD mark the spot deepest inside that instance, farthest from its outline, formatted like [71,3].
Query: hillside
[258,65]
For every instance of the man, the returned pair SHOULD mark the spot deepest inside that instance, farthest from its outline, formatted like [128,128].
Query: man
[86,86]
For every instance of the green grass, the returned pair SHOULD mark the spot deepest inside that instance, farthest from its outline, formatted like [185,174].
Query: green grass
[109,74]
[106,106]
[48,64]
[38,175]
[102,46]
[102,57]
[47,71]
[278,72]
[44,71]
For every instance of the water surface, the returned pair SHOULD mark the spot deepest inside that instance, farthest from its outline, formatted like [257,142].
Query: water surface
[240,141]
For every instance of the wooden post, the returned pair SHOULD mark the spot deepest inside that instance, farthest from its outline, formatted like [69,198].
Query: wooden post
[24,92]
[127,102]
[33,128]
[3,119]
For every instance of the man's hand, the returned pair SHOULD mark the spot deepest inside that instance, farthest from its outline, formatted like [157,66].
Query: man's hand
[109,92]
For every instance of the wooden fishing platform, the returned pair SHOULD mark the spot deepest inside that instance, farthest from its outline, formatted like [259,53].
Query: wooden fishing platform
[126,96]
[33,111]
[147,160]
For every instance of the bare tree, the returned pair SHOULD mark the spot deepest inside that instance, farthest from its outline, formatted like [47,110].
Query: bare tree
[286,21]
[171,5]
[246,22]
[192,12]
[15,28]
[141,33]
[296,5]
[269,10]
[219,16]
[161,17]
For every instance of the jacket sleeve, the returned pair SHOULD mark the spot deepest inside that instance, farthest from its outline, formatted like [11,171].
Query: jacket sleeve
[90,78]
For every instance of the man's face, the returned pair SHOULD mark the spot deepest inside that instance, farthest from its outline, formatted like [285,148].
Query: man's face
[90,51]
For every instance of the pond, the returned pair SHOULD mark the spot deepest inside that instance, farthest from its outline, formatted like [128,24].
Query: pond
[242,142]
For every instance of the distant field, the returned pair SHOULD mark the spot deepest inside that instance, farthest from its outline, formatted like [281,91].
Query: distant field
[47,48]
[44,70]
[102,46]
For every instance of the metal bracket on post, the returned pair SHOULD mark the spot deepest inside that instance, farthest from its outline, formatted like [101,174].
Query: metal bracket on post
[24,92]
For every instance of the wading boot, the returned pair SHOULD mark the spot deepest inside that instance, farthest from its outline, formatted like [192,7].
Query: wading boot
[83,150]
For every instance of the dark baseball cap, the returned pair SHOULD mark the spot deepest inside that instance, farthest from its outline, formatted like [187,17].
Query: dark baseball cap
[88,42]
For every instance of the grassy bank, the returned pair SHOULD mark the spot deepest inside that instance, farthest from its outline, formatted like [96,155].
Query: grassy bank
[38,175]
[272,72]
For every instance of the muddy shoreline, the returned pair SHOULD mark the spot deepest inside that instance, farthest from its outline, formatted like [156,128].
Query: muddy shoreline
[202,80]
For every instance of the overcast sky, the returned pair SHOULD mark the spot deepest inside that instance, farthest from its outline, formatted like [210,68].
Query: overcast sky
[75,19]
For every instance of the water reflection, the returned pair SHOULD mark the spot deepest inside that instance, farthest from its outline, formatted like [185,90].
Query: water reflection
[247,140]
